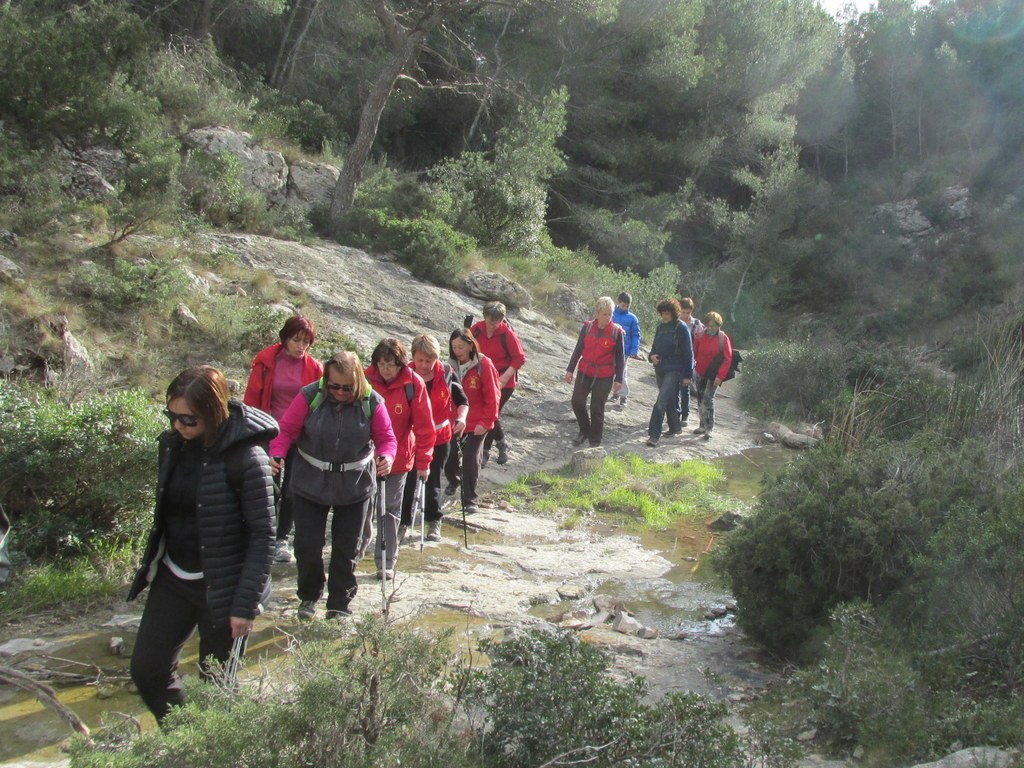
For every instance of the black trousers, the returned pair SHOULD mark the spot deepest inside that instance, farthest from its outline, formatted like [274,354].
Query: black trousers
[497,432]
[592,424]
[174,609]
[347,526]
[463,466]
[284,507]
[432,491]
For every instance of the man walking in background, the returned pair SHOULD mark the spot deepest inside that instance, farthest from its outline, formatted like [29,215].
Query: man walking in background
[631,326]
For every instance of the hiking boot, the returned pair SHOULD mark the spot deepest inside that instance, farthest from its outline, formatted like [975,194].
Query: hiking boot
[707,434]
[580,439]
[671,432]
[307,609]
[282,554]
[389,573]
[403,531]
[470,509]
[653,442]
[502,452]
[484,459]
[699,431]
[451,489]
[434,530]
[337,614]
[622,403]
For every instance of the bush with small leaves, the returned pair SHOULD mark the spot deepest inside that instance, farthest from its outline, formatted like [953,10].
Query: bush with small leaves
[76,475]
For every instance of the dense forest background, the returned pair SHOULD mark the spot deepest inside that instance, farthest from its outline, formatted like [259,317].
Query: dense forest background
[749,143]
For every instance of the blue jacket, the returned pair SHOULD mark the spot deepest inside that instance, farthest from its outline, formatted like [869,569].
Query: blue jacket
[673,343]
[631,326]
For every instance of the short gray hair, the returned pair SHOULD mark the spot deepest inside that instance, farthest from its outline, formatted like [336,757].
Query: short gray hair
[427,345]
[604,303]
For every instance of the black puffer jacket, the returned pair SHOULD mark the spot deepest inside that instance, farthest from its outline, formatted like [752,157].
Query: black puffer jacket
[236,520]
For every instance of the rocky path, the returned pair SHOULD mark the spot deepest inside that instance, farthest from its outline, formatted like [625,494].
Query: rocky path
[518,568]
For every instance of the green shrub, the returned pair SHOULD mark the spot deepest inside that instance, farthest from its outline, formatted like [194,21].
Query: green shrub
[428,247]
[376,696]
[865,691]
[232,329]
[214,191]
[792,379]
[31,200]
[75,476]
[310,125]
[66,73]
[194,87]
[835,527]
[129,285]
[551,696]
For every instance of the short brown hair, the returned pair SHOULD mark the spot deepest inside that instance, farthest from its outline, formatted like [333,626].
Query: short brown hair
[205,390]
[687,303]
[713,317]
[389,348]
[494,310]
[669,305]
[297,325]
[426,344]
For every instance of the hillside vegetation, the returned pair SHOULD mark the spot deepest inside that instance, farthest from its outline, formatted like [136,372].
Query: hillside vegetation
[846,192]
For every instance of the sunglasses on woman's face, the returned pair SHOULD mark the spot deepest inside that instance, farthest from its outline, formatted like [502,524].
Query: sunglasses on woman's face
[186,419]
[341,387]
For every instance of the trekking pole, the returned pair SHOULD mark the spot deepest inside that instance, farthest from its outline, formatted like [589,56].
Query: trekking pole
[462,470]
[420,502]
[383,545]
[231,667]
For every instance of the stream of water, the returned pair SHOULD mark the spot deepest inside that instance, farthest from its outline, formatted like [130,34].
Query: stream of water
[673,604]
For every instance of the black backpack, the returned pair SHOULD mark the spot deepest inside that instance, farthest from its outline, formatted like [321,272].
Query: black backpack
[734,365]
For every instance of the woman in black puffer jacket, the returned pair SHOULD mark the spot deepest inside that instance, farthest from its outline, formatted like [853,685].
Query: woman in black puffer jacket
[208,557]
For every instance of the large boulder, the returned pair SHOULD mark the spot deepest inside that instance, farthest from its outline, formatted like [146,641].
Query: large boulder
[311,184]
[111,164]
[566,301]
[8,270]
[83,182]
[910,222]
[958,203]
[261,171]
[492,286]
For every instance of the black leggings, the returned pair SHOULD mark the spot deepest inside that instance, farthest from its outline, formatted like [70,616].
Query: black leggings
[174,609]
[432,491]
[497,432]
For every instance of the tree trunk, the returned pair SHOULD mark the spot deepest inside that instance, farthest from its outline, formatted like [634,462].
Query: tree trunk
[406,45]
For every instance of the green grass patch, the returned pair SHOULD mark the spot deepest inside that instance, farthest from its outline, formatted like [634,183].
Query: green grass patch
[80,582]
[627,487]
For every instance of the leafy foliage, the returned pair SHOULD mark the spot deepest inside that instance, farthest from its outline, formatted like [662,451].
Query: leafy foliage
[76,475]
[835,527]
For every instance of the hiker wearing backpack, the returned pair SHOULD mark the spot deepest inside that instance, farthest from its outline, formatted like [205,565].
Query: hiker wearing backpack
[714,357]
[600,353]
[480,381]
[450,409]
[630,325]
[672,357]
[408,405]
[344,441]
[499,343]
[208,555]
[278,372]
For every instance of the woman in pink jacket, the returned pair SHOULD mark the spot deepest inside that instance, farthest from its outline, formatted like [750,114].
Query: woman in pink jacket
[342,434]
[408,404]
[278,373]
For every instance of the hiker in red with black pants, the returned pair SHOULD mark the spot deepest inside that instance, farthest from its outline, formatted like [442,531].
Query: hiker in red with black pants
[498,342]
[480,382]
[601,355]
[713,353]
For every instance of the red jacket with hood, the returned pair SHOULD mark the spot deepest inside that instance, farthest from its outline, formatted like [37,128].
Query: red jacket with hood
[412,422]
[261,379]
